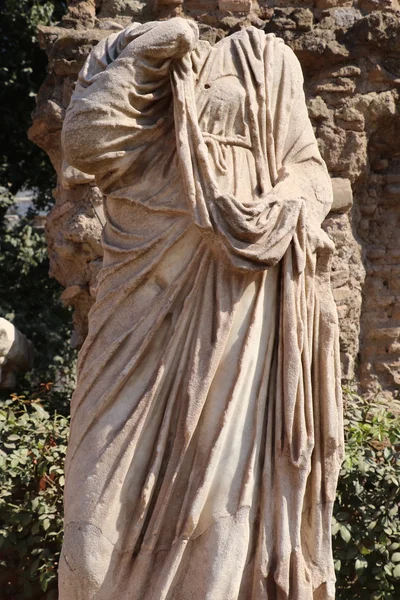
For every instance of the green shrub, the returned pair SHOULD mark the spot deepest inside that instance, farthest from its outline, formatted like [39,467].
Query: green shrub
[31,484]
[366,523]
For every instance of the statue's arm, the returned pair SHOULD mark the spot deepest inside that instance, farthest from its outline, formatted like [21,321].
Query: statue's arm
[120,110]
[301,165]
[163,40]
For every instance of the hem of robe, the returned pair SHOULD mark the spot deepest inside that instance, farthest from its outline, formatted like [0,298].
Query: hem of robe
[251,585]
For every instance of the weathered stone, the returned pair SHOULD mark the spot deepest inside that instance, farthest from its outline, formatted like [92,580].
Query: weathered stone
[132,8]
[348,364]
[211,34]
[81,14]
[342,195]
[284,3]
[281,20]
[393,255]
[71,176]
[299,19]
[385,334]
[16,354]
[323,4]
[371,5]
[341,85]
[355,116]
[346,71]
[376,253]
[318,110]
[368,210]
[345,17]
[349,117]
[342,294]
[392,178]
[380,164]
[317,48]
[346,260]
[392,190]
[380,29]
[383,104]
[235,5]
[205,325]
[303,18]
[344,151]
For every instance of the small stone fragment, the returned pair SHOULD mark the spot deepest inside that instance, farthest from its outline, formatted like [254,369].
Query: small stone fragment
[16,354]
[342,195]
[235,5]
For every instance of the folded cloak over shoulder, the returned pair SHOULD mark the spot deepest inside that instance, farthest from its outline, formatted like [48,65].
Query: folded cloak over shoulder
[206,434]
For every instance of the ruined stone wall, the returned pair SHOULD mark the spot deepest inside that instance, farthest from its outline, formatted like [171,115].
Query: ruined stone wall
[350,54]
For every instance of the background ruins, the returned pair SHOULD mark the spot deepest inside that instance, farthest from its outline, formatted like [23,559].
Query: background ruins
[350,54]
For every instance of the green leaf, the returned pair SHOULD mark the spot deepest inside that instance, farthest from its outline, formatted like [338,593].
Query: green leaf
[35,566]
[360,564]
[41,411]
[342,516]
[335,527]
[46,524]
[396,572]
[35,528]
[388,570]
[394,546]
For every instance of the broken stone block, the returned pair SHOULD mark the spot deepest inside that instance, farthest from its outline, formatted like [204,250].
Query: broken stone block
[16,354]
[342,195]
[235,5]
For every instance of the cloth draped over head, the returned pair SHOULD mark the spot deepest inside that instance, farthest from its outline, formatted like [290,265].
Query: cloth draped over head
[165,206]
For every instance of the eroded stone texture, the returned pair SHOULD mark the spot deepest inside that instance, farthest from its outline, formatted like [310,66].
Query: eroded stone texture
[235,5]
[16,354]
[214,326]
[349,52]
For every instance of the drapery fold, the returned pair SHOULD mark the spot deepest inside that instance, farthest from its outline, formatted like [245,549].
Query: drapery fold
[206,424]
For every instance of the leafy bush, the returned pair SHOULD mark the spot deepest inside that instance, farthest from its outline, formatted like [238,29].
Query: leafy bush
[29,298]
[366,523]
[31,484]
[22,70]
[33,433]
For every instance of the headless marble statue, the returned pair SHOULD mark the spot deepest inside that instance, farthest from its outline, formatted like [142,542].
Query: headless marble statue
[206,434]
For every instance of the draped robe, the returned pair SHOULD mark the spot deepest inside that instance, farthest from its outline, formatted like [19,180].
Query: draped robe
[206,433]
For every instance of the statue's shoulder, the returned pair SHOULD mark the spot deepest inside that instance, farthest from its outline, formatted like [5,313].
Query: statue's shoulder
[255,42]
[280,48]
[253,33]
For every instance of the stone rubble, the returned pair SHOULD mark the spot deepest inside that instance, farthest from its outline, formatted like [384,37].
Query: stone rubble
[16,354]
